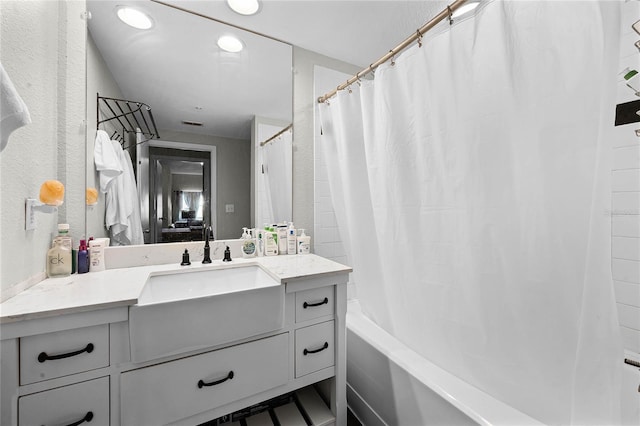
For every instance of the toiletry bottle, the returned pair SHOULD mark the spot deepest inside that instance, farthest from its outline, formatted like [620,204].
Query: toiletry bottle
[291,239]
[58,260]
[83,258]
[304,243]
[259,242]
[96,255]
[270,245]
[67,241]
[248,245]
[282,238]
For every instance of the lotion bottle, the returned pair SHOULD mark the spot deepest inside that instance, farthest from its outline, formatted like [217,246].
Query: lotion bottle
[291,240]
[282,238]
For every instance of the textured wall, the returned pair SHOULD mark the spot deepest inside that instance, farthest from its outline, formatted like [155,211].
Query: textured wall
[625,243]
[40,52]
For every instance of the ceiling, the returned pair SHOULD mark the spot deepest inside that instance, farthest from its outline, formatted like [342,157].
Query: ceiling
[177,69]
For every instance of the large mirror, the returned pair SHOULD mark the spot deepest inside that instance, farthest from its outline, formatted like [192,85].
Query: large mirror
[199,157]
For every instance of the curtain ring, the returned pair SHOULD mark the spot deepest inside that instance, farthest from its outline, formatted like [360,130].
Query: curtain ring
[450,15]
[358,80]
[419,38]
[393,58]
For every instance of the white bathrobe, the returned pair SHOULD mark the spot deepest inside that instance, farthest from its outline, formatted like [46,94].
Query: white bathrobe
[117,182]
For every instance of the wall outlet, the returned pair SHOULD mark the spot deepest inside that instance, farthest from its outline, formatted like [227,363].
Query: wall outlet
[30,214]
[229,208]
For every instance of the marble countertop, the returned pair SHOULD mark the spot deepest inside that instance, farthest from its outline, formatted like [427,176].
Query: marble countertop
[122,286]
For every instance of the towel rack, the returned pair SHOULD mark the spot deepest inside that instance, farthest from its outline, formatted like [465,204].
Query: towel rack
[130,116]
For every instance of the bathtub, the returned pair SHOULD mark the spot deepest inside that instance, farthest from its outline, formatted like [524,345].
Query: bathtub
[408,390]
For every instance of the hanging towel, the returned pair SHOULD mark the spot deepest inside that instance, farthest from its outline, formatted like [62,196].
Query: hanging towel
[13,111]
[106,159]
[122,215]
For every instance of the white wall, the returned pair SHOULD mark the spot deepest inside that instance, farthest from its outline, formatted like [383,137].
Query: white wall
[42,49]
[625,244]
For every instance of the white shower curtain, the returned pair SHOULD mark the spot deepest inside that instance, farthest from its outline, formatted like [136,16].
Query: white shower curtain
[278,171]
[470,182]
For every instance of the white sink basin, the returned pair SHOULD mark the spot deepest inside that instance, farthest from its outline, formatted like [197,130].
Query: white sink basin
[192,284]
[189,310]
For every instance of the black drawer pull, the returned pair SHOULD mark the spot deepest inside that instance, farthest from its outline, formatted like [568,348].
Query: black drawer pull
[201,383]
[87,418]
[315,351]
[306,305]
[44,357]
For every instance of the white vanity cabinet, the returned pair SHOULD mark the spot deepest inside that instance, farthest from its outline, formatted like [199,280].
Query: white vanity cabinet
[77,368]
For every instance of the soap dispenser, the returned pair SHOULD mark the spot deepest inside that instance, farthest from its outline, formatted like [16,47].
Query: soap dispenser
[304,243]
[227,255]
[248,245]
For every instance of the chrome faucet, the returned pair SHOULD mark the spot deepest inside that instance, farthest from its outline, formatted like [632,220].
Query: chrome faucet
[207,250]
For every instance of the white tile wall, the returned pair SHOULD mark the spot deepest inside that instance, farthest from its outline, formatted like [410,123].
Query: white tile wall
[625,186]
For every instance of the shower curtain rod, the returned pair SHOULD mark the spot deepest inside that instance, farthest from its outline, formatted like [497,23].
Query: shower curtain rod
[446,13]
[276,135]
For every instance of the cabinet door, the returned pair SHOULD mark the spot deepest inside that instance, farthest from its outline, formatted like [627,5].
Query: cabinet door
[165,393]
[315,348]
[85,402]
[51,355]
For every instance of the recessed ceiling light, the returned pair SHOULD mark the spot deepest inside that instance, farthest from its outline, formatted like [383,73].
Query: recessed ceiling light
[229,43]
[244,7]
[135,18]
[464,9]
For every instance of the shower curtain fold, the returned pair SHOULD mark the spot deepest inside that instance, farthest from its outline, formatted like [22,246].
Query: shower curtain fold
[470,181]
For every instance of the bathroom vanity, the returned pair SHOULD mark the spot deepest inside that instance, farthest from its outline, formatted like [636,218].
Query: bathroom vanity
[165,344]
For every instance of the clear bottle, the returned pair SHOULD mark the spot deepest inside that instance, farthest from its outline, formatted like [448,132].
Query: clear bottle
[58,260]
[65,237]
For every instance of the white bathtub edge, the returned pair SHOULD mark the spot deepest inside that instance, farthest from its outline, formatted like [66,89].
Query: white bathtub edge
[476,404]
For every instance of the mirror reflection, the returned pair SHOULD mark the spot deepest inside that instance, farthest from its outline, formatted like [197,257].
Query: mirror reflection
[202,99]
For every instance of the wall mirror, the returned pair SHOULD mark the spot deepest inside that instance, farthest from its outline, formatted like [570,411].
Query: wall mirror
[202,99]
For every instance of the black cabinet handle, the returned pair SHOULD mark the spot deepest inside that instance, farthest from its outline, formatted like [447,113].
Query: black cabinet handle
[306,305]
[87,418]
[201,383]
[315,351]
[44,357]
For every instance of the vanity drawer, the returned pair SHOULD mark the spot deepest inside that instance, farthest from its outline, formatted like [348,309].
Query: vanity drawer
[165,393]
[314,303]
[67,405]
[51,355]
[314,348]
